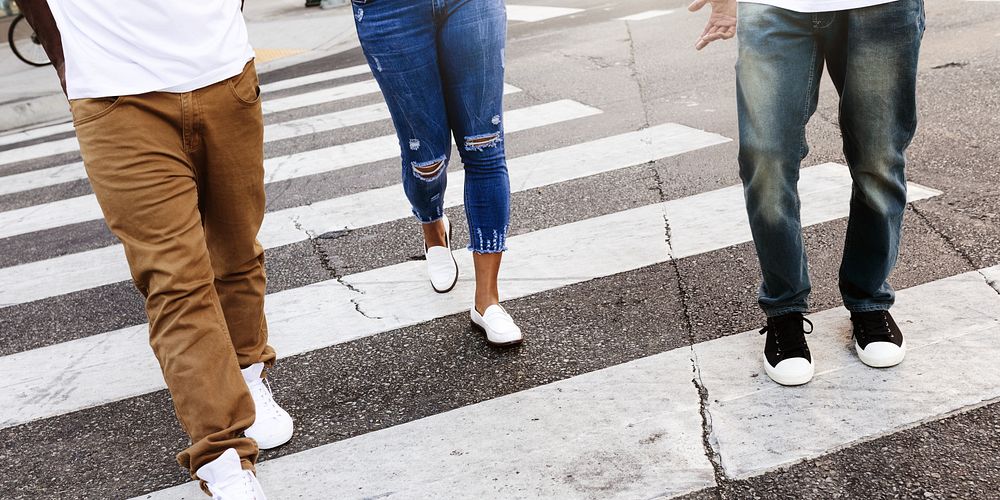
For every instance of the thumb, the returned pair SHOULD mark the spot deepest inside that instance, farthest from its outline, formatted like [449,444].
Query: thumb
[696,5]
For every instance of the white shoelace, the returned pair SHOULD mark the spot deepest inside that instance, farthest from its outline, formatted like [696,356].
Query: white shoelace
[263,395]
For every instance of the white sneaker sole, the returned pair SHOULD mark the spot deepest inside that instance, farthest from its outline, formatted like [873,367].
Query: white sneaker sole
[881,360]
[276,442]
[790,377]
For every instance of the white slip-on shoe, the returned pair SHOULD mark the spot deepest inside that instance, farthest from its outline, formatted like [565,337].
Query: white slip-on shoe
[442,268]
[273,425]
[498,325]
[227,480]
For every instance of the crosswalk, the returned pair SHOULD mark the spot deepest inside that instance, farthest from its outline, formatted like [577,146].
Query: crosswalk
[660,424]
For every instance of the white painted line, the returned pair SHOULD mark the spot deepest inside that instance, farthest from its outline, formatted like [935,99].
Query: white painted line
[49,215]
[331,94]
[315,78]
[532,13]
[52,380]
[80,271]
[378,206]
[35,133]
[269,87]
[649,14]
[45,177]
[39,150]
[952,329]
[314,98]
[276,131]
[631,431]
[321,96]
[313,124]
[85,208]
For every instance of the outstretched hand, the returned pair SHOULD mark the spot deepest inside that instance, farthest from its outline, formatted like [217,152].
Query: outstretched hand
[721,24]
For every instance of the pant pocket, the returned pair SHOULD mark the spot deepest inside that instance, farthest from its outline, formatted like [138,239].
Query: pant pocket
[245,86]
[89,109]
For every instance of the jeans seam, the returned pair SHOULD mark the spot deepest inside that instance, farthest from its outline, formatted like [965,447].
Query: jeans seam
[809,93]
[869,308]
[781,311]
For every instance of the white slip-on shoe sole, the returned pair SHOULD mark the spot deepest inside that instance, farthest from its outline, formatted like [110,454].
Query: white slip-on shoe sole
[442,268]
[504,335]
[791,372]
[881,354]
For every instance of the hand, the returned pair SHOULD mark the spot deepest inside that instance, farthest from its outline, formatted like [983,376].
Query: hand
[721,24]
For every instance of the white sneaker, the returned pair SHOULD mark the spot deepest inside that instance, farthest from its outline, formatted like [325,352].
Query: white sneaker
[498,325]
[441,265]
[227,480]
[273,426]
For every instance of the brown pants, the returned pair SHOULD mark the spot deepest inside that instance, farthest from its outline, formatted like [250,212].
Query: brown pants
[180,179]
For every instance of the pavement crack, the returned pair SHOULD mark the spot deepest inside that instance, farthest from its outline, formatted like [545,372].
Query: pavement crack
[950,242]
[709,441]
[326,262]
[634,74]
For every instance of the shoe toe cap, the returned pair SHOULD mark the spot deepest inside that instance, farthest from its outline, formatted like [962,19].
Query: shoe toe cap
[441,268]
[792,371]
[273,431]
[881,354]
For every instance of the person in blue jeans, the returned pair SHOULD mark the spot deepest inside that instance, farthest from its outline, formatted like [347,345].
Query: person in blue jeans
[870,49]
[440,65]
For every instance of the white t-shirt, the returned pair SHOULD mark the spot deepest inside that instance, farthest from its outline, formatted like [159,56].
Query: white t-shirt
[116,47]
[819,5]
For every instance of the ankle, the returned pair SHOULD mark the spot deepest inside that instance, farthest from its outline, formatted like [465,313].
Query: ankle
[483,303]
[436,234]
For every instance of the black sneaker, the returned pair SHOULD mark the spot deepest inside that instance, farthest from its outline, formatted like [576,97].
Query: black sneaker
[786,355]
[877,339]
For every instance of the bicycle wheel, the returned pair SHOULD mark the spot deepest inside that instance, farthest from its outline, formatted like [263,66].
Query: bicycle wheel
[25,44]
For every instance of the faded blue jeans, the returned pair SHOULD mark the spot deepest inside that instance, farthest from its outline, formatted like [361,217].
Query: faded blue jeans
[871,55]
[440,65]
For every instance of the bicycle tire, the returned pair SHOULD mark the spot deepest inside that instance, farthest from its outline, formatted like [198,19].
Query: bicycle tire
[13,46]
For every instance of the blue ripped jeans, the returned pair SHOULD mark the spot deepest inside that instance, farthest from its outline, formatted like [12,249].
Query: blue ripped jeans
[440,65]
[871,55]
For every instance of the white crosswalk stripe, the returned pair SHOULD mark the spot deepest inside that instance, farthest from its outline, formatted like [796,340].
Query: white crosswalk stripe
[649,14]
[546,259]
[274,132]
[534,13]
[645,415]
[326,76]
[317,161]
[331,94]
[35,133]
[71,144]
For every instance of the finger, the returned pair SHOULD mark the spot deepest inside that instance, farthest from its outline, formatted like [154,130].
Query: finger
[708,29]
[696,5]
[705,40]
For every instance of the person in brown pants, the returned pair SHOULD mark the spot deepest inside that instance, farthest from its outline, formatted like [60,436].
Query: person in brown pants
[175,157]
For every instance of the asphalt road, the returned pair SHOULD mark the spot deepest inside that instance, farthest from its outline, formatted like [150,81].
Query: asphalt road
[640,74]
